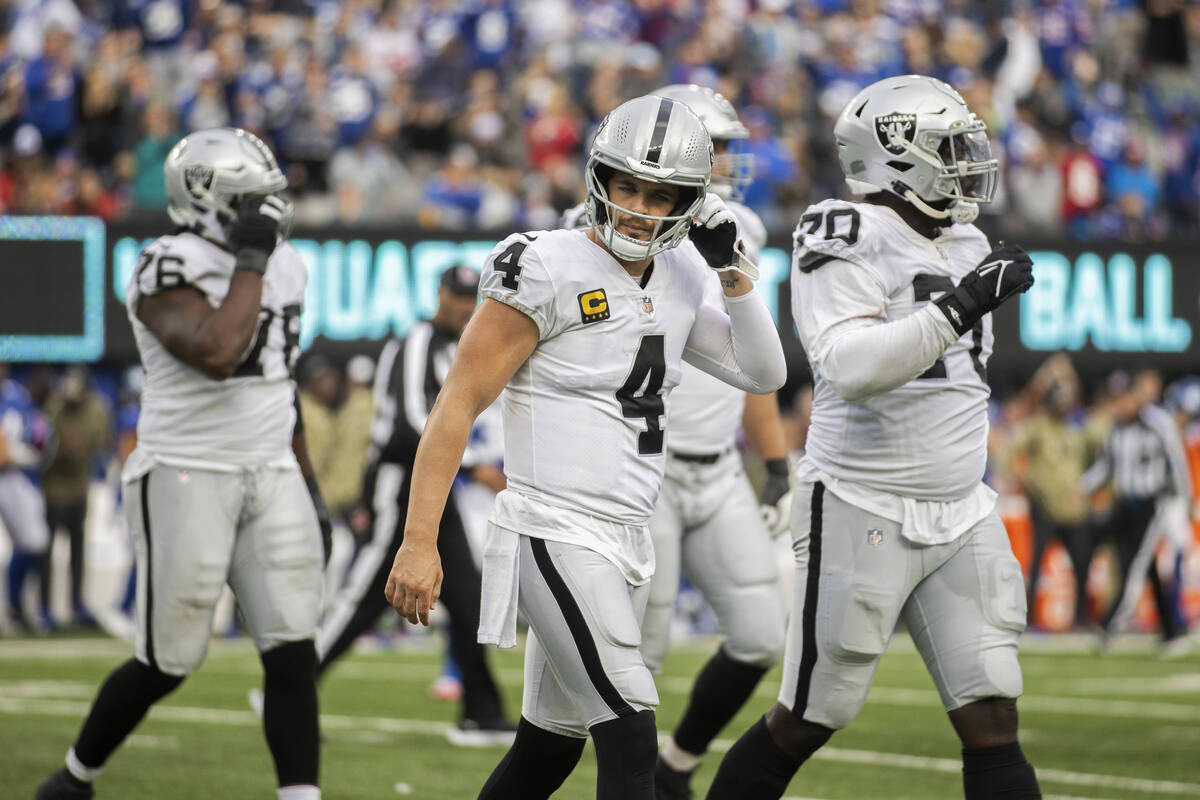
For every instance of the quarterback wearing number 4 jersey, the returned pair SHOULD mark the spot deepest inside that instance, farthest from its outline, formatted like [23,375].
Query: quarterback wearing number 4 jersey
[215,491]
[891,521]
[586,331]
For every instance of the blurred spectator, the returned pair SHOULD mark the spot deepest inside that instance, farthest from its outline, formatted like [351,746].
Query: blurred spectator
[453,196]
[1035,190]
[1133,191]
[82,424]
[1181,166]
[309,131]
[773,166]
[1082,189]
[1049,453]
[553,134]
[320,386]
[352,97]
[370,183]
[51,89]
[24,436]
[149,188]
[352,432]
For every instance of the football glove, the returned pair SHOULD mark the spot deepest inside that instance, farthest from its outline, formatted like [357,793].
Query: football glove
[715,234]
[1005,271]
[776,500]
[255,230]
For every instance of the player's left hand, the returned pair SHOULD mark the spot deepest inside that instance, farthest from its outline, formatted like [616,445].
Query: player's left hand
[415,582]
[776,500]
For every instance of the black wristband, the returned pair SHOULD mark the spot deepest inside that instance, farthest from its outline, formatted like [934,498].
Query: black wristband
[251,260]
[777,467]
[961,314]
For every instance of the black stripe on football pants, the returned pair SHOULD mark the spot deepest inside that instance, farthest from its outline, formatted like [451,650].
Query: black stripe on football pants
[580,633]
[654,151]
[808,656]
[149,573]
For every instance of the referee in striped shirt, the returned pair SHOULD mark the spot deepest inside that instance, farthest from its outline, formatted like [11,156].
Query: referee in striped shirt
[410,375]
[1144,461]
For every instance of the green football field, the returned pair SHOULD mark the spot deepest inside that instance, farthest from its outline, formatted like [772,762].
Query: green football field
[1125,725]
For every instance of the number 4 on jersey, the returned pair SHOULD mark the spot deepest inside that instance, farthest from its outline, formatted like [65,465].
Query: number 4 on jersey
[508,263]
[649,369]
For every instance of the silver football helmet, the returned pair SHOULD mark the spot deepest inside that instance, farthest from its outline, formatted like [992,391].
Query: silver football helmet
[733,169]
[914,136]
[655,139]
[207,171]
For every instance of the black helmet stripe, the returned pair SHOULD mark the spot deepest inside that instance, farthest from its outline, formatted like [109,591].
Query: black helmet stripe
[654,151]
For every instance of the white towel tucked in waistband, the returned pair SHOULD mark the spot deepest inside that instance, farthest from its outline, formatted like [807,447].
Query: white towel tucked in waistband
[501,575]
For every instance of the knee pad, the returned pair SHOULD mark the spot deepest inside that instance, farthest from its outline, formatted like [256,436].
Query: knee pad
[758,643]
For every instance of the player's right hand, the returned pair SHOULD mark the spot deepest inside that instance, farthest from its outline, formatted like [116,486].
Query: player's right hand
[1004,272]
[415,582]
[255,229]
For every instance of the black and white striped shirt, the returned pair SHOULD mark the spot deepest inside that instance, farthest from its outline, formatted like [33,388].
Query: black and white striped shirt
[1143,457]
[410,375]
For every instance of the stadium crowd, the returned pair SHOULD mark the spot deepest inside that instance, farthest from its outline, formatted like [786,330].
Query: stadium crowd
[453,113]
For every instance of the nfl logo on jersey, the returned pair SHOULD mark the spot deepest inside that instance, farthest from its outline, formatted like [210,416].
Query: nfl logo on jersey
[874,537]
[648,304]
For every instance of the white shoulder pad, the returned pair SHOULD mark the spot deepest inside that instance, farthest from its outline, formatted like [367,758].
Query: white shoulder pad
[515,274]
[835,229]
[183,259]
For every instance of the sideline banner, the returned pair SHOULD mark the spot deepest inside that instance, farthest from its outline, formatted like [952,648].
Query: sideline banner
[1108,304]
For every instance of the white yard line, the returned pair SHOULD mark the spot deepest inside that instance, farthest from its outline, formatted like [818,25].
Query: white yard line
[225,716]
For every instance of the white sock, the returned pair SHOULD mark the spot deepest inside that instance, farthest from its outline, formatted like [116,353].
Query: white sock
[677,758]
[81,772]
[300,792]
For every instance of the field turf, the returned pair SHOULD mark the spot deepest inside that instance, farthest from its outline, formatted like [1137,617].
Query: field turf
[1123,725]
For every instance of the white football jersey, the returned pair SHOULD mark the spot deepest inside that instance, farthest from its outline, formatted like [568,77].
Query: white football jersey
[706,412]
[190,419]
[926,439]
[585,417]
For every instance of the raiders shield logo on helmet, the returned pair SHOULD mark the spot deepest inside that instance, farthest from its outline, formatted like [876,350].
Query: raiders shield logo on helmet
[896,131]
[197,178]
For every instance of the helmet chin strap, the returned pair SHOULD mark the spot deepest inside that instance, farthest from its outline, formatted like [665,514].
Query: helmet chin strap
[961,211]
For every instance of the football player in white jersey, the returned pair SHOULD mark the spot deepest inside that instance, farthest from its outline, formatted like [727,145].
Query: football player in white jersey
[892,299]
[214,492]
[707,523]
[586,333]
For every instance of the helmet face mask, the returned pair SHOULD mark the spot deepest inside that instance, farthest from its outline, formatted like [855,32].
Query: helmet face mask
[914,136]
[208,172]
[657,140]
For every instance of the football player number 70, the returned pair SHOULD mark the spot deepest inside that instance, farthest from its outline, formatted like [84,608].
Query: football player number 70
[649,369]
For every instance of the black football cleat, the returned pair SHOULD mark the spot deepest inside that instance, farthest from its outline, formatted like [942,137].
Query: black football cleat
[671,784]
[62,785]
